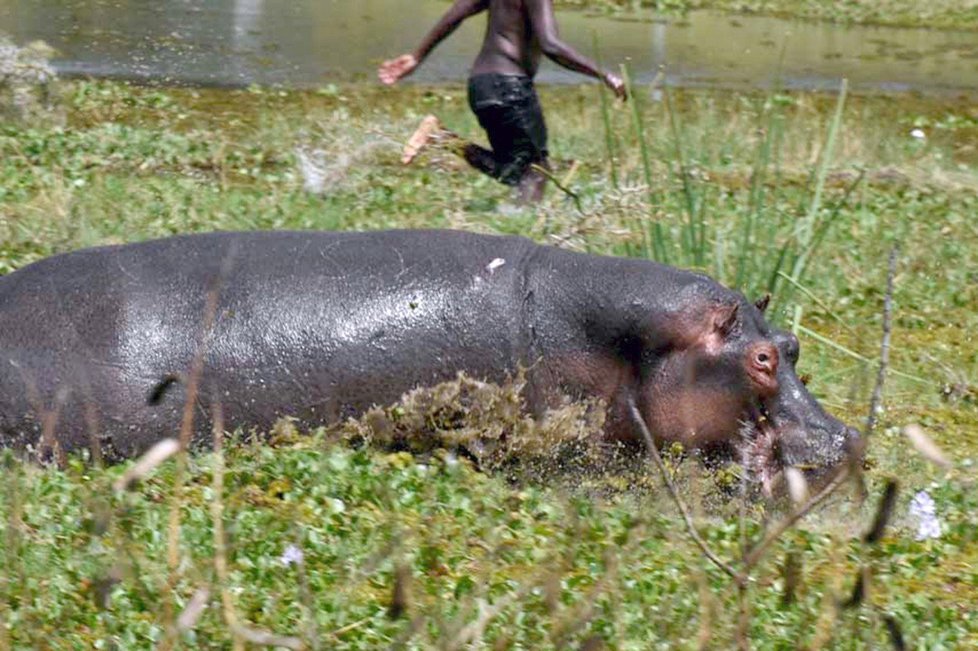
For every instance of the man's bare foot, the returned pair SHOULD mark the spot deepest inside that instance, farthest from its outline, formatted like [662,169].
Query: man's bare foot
[423,135]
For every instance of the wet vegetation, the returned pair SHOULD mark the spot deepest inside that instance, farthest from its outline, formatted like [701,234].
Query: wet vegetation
[939,14]
[380,533]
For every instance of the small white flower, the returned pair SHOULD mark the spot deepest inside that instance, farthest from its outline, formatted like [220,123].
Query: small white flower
[918,134]
[929,528]
[291,556]
[922,508]
[922,504]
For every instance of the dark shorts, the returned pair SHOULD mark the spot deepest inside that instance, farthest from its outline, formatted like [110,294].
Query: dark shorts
[509,110]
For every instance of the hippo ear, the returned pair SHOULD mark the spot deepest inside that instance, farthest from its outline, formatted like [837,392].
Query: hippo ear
[762,303]
[721,321]
[724,319]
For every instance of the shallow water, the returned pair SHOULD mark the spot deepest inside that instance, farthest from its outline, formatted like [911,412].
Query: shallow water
[306,43]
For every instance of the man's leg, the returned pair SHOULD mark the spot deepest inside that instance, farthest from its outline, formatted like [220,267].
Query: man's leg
[518,136]
[421,138]
[480,158]
[509,112]
[533,183]
[431,133]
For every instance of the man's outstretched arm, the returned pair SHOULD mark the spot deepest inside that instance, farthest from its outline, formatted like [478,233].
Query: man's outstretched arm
[392,71]
[544,25]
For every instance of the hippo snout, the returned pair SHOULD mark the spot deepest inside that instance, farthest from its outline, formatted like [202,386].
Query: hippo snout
[817,451]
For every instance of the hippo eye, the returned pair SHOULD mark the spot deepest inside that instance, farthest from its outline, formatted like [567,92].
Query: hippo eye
[763,357]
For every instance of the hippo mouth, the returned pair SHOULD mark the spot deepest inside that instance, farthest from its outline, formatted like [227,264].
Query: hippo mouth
[768,447]
[759,448]
[816,449]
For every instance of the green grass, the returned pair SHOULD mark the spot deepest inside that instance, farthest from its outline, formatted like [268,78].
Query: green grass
[729,180]
[938,14]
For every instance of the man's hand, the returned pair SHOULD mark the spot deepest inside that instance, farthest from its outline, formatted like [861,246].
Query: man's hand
[390,72]
[616,84]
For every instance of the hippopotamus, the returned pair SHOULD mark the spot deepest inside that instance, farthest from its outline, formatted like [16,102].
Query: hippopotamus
[321,326]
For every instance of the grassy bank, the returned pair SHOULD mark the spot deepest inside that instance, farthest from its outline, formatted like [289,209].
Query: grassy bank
[939,14]
[425,552]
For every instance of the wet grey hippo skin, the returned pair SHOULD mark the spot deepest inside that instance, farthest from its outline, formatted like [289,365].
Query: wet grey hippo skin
[323,325]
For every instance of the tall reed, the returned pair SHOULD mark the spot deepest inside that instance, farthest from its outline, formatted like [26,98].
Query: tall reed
[774,247]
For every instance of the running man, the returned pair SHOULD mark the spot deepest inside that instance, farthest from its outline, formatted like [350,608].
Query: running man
[501,90]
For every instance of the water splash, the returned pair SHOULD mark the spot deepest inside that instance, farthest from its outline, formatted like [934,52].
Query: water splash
[26,79]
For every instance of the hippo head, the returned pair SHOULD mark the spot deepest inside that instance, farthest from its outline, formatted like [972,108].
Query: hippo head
[729,383]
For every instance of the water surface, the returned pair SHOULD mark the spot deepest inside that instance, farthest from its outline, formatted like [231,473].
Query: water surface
[302,43]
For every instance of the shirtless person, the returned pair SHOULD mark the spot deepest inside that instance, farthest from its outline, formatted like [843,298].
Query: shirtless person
[501,91]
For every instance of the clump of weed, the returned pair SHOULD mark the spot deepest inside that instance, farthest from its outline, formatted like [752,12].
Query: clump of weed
[27,81]
[489,424]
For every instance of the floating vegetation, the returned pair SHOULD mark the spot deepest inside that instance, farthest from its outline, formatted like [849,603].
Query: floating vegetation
[402,543]
[487,423]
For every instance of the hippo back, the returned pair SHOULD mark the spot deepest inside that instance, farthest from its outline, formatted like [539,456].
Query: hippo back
[311,324]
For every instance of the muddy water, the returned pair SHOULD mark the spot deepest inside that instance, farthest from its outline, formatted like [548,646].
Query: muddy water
[310,42]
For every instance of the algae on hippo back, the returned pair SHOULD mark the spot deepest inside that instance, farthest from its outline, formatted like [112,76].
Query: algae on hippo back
[323,326]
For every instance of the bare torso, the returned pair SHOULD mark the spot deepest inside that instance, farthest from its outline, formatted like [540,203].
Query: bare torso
[510,45]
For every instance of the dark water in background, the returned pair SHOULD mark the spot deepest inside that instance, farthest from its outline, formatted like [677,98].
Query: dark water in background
[305,43]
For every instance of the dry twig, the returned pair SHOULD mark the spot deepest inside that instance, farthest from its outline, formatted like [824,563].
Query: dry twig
[674,493]
[876,401]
